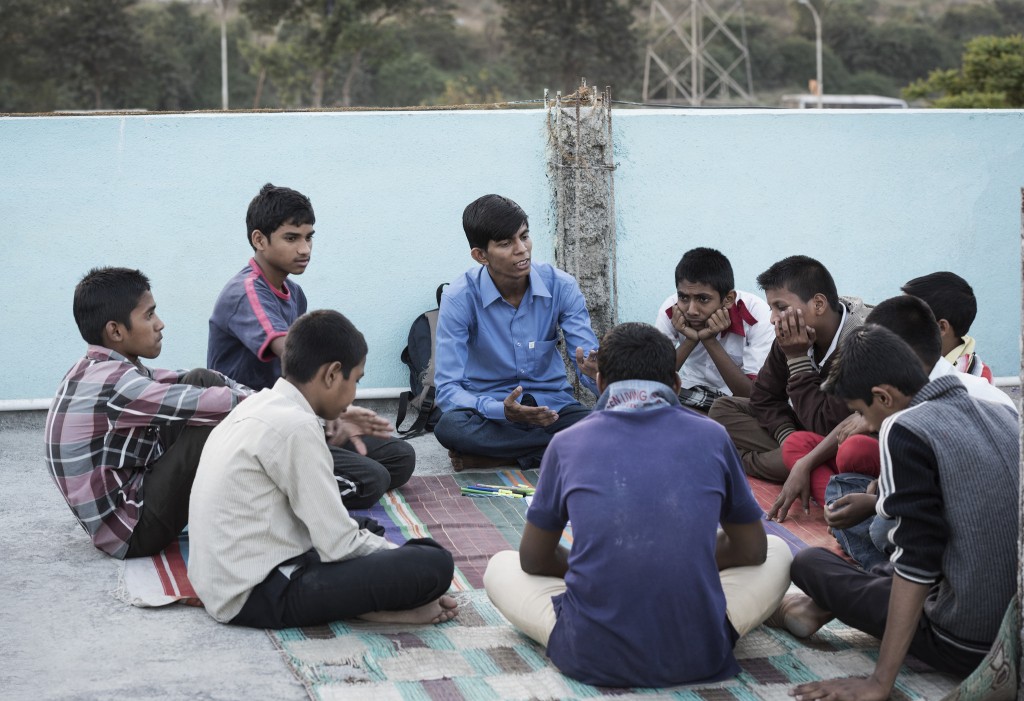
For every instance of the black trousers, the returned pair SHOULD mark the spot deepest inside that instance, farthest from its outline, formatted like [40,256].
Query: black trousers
[363,479]
[320,592]
[861,600]
[167,485]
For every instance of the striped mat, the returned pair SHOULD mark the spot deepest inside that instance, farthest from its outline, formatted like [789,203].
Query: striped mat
[479,655]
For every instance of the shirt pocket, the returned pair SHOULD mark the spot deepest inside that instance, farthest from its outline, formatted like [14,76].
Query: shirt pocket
[539,358]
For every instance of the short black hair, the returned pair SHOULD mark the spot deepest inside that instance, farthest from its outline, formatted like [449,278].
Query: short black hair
[872,356]
[949,296]
[636,351]
[492,218]
[911,319]
[107,294]
[706,266]
[319,338]
[803,276]
[275,206]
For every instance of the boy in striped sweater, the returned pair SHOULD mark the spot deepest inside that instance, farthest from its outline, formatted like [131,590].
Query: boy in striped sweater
[949,479]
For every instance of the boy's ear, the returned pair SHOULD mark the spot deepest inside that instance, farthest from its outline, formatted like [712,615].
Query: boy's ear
[819,305]
[113,332]
[258,239]
[677,384]
[600,383]
[945,328]
[332,373]
[890,398]
[729,299]
[479,255]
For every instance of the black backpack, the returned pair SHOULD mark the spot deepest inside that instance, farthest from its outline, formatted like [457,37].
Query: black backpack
[419,356]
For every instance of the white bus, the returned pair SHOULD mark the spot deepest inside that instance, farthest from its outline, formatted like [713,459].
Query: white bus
[858,102]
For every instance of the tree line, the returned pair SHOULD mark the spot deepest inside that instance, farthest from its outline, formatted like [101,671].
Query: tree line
[133,54]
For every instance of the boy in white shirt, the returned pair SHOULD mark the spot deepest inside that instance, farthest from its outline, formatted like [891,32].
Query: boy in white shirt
[271,544]
[722,335]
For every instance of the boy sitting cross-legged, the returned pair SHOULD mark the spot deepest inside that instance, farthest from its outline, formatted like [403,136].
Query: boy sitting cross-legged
[653,592]
[949,479]
[500,377]
[722,335]
[249,326]
[123,440]
[272,545]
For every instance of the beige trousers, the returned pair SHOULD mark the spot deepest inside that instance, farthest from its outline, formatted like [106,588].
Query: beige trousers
[751,593]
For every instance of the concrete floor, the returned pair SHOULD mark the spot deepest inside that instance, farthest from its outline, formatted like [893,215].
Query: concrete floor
[65,635]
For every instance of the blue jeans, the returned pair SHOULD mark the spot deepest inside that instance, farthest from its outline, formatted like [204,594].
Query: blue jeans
[866,542]
[468,431]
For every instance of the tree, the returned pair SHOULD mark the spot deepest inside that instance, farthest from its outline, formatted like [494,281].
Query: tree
[97,45]
[992,76]
[27,70]
[320,45]
[557,42]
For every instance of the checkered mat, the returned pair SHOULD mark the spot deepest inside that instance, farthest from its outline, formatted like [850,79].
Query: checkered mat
[480,656]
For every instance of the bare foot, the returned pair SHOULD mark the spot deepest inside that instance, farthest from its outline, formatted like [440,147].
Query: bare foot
[799,615]
[439,611]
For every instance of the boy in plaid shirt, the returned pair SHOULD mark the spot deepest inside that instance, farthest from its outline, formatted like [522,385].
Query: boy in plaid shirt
[122,440]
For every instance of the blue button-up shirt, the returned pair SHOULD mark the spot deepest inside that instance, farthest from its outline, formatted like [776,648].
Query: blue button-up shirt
[486,347]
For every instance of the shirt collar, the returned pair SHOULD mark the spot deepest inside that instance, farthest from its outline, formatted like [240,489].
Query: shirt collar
[835,341]
[636,395]
[738,316]
[104,354]
[489,292]
[286,388]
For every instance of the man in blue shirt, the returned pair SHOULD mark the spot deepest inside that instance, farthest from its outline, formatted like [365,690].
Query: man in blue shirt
[500,379]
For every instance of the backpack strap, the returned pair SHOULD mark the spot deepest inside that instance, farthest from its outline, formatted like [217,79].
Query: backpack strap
[427,397]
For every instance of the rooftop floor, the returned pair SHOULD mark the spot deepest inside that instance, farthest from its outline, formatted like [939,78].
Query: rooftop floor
[66,635]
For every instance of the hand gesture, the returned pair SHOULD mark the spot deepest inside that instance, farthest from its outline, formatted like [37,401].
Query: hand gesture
[588,365]
[355,422]
[533,415]
[681,327]
[848,689]
[797,487]
[850,510]
[716,324]
[852,425]
[793,334]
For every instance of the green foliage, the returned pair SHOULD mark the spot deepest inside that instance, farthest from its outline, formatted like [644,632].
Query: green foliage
[321,47]
[992,75]
[557,42]
[95,43]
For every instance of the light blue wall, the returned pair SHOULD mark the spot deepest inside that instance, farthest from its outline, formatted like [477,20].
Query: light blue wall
[878,197]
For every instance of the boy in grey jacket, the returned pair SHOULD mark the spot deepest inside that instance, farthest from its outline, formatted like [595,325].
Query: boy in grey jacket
[949,479]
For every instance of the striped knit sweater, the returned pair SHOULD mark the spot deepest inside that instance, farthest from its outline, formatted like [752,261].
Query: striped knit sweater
[950,475]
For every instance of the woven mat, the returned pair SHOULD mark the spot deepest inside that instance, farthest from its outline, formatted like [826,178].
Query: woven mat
[480,655]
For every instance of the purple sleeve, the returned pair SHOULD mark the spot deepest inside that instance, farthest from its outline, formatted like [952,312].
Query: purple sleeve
[739,505]
[257,319]
[547,509]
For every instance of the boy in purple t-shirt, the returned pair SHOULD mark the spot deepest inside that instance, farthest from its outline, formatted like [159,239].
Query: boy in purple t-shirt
[633,477]
[250,322]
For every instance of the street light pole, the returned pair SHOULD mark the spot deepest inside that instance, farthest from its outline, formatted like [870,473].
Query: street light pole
[223,6]
[817,32]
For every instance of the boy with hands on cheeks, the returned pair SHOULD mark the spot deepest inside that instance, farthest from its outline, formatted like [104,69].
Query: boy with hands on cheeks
[722,335]
[810,320]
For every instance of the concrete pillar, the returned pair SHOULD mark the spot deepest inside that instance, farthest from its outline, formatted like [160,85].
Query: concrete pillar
[581,170]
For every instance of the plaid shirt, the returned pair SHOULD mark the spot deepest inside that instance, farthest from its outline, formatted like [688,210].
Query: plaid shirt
[103,433]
